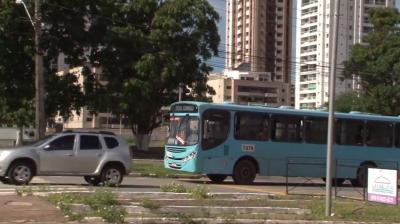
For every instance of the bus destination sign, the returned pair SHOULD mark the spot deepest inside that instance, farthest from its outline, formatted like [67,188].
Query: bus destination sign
[182,108]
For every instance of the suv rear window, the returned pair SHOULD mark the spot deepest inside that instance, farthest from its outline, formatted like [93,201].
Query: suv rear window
[111,142]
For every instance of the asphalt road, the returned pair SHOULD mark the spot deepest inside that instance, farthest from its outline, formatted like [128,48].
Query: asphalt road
[271,185]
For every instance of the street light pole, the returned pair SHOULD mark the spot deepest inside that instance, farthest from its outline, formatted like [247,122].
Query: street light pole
[40,125]
[331,118]
[39,81]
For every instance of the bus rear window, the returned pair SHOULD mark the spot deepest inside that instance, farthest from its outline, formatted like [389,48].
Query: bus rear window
[215,128]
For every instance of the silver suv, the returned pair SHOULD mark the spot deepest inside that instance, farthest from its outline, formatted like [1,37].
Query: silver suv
[98,157]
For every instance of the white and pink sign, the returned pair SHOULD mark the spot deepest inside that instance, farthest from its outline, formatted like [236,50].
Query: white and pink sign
[382,186]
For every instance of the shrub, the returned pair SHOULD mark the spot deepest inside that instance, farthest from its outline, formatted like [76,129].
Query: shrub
[174,187]
[199,192]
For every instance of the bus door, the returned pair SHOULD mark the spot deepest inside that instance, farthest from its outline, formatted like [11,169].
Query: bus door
[214,145]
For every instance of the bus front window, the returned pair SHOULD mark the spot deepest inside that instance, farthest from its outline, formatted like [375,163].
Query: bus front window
[183,131]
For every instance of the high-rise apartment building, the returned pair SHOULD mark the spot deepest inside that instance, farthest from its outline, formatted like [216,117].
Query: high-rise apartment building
[258,37]
[314,40]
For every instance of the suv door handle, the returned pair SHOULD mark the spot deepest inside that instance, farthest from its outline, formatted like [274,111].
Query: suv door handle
[69,154]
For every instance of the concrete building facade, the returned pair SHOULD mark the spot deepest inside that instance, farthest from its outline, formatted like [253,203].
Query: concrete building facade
[258,37]
[248,88]
[85,118]
[314,41]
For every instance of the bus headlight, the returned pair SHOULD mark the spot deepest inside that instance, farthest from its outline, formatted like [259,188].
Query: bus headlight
[191,156]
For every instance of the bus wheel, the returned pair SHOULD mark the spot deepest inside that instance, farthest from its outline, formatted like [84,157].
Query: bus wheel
[335,181]
[217,178]
[244,172]
[362,178]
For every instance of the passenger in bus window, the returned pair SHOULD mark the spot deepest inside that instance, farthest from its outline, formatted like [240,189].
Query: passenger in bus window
[263,134]
[359,135]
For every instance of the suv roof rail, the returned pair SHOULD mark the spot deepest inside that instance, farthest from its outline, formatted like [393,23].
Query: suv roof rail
[107,132]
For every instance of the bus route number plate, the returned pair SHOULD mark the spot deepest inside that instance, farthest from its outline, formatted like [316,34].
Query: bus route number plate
[248,148]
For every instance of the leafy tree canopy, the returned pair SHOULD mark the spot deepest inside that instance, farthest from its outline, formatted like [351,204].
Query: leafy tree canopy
[377,62]
[144,49]
[62,32]
[149,48]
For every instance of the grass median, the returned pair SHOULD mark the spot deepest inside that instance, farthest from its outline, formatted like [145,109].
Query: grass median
[155,168]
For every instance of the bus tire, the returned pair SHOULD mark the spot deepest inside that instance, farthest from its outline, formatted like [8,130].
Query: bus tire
[362,177]
[244,172]
[217,178]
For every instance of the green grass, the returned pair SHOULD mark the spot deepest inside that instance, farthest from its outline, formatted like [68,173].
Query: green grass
[349,210]
[154,168]
[102,203]
[174,187]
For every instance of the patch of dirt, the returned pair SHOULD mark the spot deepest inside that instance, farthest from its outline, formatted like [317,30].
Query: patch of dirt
[29,209]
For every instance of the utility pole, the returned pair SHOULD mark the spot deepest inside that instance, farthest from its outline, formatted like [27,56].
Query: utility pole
[40,124]
[331,119]
[180,90]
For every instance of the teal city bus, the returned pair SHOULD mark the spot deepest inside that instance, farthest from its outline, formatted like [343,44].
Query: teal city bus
[240,141]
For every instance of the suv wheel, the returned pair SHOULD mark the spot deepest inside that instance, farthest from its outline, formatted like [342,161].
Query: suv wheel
[112,176]
[92,180]
[20,173]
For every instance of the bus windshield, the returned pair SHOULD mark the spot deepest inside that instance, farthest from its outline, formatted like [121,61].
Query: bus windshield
[183,131]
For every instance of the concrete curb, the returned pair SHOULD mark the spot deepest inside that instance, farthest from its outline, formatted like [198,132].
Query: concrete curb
[215,210]
[175,176]
[172,195]
[234,221]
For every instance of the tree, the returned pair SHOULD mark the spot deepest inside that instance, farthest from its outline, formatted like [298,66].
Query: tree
[63,32]
[149,48]
[377,63]
[352,101]
[16,66]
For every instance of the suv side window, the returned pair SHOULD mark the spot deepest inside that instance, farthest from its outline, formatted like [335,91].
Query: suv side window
[63,143]
[90,142]
[111,142]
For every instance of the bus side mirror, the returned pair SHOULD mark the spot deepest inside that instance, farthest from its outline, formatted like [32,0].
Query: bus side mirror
[165,119]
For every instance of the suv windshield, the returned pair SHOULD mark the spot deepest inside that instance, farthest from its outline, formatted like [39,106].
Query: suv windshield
[183,130]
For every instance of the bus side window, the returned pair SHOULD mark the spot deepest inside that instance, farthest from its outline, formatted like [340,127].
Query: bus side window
[350,132]
[379,134]
[251,126]
[215,128]
[316,130]
[287,128]
[397,135]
